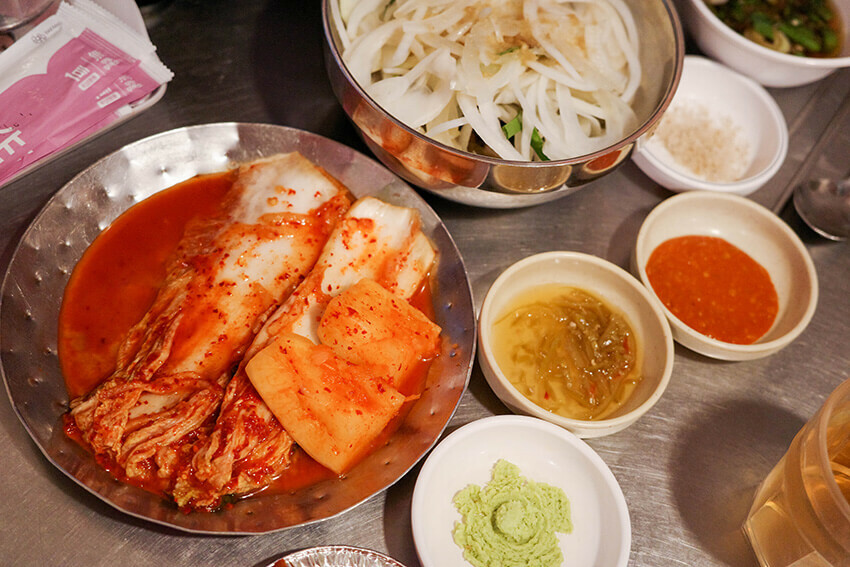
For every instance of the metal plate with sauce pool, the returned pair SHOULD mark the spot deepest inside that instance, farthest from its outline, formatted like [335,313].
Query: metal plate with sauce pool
[54,242]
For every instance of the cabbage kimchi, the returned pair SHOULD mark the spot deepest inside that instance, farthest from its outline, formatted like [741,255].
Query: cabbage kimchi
[229,271]
[284,326]
[249,446]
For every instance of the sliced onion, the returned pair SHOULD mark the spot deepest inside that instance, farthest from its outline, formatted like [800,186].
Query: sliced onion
[434,61]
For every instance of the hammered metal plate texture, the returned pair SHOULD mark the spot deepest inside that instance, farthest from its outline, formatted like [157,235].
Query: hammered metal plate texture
[50,248]
[336,556]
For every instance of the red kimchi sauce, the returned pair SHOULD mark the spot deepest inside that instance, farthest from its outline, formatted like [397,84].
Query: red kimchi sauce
[116,281]
[118,276]
[714,287]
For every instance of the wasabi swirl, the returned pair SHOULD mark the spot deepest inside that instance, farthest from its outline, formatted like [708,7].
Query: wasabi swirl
[512,521]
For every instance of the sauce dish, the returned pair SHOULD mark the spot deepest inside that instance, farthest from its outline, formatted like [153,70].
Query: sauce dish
[760,234]
[614,286]
[543,452]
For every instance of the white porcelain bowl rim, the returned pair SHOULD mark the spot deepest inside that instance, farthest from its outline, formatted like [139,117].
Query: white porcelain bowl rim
[741,41]
[616,422]
[742,185]
[642,256]
[422,499]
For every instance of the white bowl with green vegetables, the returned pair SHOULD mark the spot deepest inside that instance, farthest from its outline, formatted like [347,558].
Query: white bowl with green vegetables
[774,50]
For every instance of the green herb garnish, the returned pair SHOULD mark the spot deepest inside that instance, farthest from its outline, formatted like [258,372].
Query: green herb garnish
[537,145]
[513,127]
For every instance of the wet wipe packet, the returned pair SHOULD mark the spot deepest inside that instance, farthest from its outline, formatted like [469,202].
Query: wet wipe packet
[72,75]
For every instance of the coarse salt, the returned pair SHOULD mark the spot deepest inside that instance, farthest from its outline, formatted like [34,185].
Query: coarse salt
[703,143]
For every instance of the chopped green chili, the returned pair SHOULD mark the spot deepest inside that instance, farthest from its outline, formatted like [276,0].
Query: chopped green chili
[830,41]
[762,24]
[799,27]
[799,34]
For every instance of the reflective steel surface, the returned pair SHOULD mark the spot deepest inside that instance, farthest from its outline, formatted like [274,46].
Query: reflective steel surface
[825,206]
[688,469]
[55,241]
[490,182]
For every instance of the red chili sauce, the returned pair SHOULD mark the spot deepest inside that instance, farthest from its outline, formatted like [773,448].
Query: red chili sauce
[116,281]
[117,278]
[714,287]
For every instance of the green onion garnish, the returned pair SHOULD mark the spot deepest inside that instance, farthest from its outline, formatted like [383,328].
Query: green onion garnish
[513,127]
[537,145]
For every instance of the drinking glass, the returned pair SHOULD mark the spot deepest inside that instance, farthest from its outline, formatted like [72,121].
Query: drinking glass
[801,513]
[17,13]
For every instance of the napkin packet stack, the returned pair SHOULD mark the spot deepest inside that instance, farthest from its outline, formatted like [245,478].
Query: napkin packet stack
[72,75]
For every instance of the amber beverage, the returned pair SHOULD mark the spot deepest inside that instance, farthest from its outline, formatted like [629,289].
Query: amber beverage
[801,513]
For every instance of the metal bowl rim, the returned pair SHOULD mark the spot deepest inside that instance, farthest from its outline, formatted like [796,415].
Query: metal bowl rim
[661,107]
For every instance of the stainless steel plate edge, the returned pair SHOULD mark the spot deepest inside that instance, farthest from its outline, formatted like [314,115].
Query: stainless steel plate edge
[33,286]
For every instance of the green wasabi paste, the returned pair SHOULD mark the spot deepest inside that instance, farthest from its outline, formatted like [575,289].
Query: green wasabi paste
[512,521]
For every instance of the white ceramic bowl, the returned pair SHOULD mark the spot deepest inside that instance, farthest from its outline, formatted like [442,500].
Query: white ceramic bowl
[727,95]
[612,284]
[601,535]
[758,232]
[768,67]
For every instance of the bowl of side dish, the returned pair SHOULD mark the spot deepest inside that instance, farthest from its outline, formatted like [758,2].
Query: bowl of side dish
[515,457]
[785,63]
[575,340]
[722,132]
[498,120]
[735,282]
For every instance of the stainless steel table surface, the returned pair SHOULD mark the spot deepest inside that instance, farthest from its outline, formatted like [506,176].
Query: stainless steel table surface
[688,468]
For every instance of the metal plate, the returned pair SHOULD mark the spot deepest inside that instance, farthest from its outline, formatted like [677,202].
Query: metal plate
[34,284]
[336,556]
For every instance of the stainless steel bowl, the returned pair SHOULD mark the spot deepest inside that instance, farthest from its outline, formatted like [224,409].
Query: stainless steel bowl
[496,183]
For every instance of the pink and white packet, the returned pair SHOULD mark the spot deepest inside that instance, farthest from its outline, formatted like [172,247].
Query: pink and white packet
[74,74]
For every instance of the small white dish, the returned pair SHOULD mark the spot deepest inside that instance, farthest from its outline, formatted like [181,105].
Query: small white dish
[544,452]
[723,95]
[758,232]
[613,285]
[768,67]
